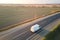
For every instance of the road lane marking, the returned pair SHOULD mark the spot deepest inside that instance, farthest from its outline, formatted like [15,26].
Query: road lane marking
[19,34]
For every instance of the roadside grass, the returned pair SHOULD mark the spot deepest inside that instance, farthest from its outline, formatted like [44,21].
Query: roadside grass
[12,26]
[53,35]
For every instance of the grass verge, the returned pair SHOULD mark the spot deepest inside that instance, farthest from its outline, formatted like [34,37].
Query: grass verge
[53,35]
[14,25]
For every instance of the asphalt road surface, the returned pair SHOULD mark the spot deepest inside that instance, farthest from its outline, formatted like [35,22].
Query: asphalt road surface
[22,32]
[40,34]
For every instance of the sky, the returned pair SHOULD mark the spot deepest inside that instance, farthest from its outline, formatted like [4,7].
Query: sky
[29,1]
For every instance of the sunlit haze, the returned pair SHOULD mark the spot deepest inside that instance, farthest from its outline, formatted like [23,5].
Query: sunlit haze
[29,1]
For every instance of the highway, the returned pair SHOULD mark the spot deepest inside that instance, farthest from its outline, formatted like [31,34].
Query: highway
[40,34]
[22,32]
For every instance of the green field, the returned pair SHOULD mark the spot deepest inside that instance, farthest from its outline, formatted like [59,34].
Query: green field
[13,15]
[54,35]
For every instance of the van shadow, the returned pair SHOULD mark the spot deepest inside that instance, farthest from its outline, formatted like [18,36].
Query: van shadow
[42,32]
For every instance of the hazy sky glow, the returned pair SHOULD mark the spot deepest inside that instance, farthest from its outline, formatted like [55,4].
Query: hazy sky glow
[29,1]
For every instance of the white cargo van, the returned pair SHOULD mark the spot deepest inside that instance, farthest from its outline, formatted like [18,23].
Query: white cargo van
[35,28]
